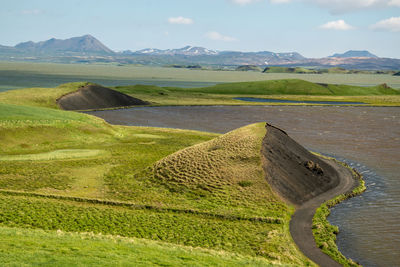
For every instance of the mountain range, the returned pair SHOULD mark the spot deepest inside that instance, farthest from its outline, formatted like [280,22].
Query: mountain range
[87,49]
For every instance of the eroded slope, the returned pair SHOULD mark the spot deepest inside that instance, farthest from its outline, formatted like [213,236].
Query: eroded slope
[94,96]
[292,171]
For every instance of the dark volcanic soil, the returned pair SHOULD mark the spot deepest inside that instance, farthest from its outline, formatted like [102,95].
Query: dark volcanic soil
[304,180]
[96,97]
[295,173]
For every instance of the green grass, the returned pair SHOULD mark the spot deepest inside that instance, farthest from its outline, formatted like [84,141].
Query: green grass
[293,87]
[240,236]
[147,183]
[40,97]
[221,94]
[290,89]
[26,247]
[55,155]
[211,195]
[73,172]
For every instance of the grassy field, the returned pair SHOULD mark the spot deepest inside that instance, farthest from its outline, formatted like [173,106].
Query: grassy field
[72,172]
[20,246]
[27,74]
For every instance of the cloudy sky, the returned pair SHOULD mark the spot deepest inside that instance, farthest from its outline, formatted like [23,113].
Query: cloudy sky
[314,28]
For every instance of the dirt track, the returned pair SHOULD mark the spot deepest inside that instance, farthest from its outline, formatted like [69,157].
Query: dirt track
[301,223]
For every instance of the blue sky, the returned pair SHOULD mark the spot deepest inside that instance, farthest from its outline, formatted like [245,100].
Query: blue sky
[314,28]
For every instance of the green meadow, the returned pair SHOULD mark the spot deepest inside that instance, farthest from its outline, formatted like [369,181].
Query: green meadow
[70,180]
[175,191]
[50,248]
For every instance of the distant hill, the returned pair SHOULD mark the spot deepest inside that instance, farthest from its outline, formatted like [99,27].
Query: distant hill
[355,53]
[87,49]
[83,44]
[248,68]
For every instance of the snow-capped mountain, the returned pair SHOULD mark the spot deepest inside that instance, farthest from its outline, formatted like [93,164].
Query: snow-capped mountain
[187,51]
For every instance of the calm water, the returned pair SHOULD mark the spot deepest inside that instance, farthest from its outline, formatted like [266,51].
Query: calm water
[362,136]
[271,100]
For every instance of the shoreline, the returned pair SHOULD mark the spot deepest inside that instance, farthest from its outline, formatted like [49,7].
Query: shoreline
[302,222]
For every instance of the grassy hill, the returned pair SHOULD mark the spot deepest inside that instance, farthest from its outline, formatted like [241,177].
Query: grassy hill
[39,97]
[70,172]
[289,89]
[294,87]
[289,70]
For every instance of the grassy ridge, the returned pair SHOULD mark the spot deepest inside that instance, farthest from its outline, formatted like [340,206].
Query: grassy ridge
[273,87]
[290,89]
[58,248]
[39,97]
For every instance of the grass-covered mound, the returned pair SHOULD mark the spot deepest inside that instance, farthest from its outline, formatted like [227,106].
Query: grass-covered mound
[289,89]
[290,70]
[39,97]
[187,198]
[295,87]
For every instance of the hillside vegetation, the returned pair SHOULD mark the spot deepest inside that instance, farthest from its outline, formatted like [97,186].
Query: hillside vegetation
[294,87]
[72,172]
[49,248]
[288,89]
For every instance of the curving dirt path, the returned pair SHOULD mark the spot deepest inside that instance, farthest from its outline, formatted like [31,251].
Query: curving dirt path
[301,223]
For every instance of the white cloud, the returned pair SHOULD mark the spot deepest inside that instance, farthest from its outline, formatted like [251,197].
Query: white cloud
[180,20]
[391,24]
[219,37]
[394,3]
[244,2]
[280,1]
[344,6]
[339,25]
[31,12]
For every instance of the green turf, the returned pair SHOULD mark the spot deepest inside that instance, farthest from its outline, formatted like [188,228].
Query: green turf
[55,155]
[293,87]
[40,97]
[126,191]
[76,173]
[25,247]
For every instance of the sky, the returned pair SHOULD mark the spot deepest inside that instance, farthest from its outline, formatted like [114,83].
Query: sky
[314,28]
